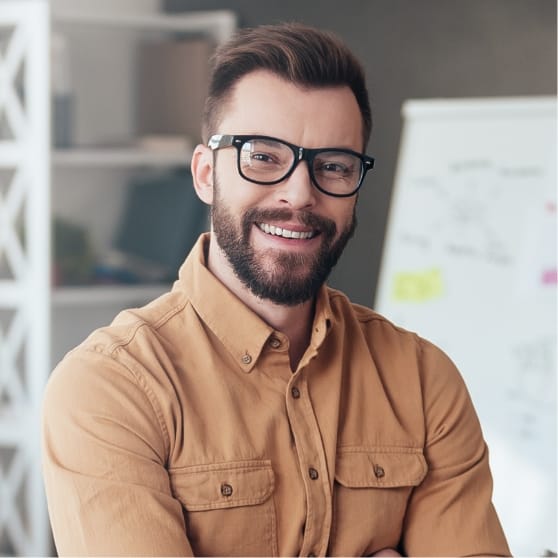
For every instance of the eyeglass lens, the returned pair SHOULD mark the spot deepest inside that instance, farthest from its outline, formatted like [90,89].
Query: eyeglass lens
[269,161]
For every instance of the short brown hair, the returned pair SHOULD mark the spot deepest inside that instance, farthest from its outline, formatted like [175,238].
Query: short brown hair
[303,55]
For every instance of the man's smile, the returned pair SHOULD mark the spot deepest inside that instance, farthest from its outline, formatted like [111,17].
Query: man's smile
[286,233]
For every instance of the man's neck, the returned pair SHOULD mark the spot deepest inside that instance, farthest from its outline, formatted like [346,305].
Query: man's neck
[293,321]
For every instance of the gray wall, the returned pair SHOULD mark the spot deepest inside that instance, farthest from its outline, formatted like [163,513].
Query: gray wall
[416,49]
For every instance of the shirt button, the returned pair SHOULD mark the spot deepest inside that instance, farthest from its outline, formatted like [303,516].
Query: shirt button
[295,392]
[313,473]
[379,471]
[246,359]
[226,489]
[275,343]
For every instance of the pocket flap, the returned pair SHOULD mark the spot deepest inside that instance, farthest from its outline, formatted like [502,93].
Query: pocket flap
[223,485]
[380,467]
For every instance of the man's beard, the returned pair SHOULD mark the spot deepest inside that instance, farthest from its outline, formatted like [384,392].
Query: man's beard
[291,278]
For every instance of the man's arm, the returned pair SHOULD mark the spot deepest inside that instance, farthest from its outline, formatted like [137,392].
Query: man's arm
[104,454]
[451,512]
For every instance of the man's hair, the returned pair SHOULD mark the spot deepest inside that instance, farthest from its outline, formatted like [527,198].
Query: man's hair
[303,55]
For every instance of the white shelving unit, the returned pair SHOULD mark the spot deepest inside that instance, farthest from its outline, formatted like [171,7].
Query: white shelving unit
[89,177]
[86,184]
[24,272]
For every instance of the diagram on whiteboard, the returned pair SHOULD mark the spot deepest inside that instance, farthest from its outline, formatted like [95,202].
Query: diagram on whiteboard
[470,222]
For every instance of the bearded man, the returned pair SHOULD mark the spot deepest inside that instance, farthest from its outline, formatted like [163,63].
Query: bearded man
[253,410]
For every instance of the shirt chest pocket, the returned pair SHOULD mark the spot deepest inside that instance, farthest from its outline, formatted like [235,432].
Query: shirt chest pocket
[228,507]
[371,491]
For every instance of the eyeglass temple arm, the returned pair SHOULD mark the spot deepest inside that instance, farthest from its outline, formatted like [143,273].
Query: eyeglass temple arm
[220,140]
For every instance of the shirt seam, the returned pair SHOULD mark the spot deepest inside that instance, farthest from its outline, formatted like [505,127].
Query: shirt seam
[120,343]
[384,449]
[370,316]
[152,399]
[419,342]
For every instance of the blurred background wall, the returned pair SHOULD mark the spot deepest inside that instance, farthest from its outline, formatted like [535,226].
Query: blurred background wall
[415,49]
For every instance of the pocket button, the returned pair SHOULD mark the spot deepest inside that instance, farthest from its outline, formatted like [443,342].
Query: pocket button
[226,489]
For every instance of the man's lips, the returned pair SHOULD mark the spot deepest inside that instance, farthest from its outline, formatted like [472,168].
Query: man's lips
[286,233]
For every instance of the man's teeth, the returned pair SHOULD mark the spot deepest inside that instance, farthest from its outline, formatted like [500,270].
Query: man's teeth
[285,233]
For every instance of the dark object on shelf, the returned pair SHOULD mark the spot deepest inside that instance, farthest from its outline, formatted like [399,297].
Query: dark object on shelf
[62,92]
[162,219]
[62,110]
[72,253]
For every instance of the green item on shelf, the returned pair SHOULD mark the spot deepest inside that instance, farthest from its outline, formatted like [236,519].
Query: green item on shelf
[72,253]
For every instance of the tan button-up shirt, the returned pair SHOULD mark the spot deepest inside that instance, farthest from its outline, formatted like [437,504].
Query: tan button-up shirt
[181,429]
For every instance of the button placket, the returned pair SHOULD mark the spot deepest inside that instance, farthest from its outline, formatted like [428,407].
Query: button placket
[306,434]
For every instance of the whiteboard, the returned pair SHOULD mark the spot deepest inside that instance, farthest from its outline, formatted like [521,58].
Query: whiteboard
[469,262]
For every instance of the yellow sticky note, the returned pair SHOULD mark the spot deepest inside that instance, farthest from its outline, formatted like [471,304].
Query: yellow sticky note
[418,286]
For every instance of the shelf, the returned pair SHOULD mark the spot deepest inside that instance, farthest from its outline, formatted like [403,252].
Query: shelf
[119,157]
[220,24]
[122,295]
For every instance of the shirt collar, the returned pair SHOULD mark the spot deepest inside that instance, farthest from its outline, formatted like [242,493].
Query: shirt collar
[241,330]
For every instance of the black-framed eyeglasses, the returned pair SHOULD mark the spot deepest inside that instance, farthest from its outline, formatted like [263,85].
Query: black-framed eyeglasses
[266,160]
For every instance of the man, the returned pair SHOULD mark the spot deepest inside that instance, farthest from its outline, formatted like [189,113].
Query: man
[252,410]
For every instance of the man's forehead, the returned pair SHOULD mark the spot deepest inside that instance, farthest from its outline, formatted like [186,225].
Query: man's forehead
[263,79]
[264,102]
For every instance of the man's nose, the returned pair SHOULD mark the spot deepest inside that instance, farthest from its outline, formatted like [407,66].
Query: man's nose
[297,190]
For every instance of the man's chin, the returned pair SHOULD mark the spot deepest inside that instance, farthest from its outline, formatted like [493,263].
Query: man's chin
[285,284]
[284,295]
[288,261]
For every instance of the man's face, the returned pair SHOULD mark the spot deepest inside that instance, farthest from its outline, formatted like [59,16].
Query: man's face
[254,224]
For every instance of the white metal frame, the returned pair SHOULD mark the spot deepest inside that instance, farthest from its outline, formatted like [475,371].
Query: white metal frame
[24,340]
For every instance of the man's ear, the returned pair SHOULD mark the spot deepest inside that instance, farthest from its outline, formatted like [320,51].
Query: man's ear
[202,173]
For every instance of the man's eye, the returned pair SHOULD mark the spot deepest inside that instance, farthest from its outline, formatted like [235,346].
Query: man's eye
[263,157]
[336,167]
[333,168]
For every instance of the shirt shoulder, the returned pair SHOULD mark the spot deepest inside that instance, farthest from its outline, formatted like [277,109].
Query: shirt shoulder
[135,349]
[400,351]
[124,368]
[135,325]
[368,319]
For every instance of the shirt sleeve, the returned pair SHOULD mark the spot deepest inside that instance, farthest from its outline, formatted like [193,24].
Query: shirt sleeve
[104,452]
[451,512]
